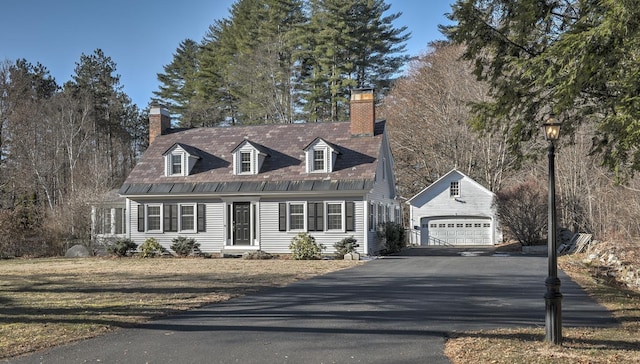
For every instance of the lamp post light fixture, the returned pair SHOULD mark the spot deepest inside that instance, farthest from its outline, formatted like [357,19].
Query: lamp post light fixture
[552,297]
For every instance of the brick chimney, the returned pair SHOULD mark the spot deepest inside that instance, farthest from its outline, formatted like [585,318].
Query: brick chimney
[159,122]
[362,112]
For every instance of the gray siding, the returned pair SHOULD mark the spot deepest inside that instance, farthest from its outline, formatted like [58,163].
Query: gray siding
[274,241]
[211,240]
[268,238]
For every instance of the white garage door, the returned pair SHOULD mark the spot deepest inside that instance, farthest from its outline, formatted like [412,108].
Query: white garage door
[456,231]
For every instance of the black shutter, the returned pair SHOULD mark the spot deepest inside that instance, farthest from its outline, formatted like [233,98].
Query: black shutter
[350,207]
[319,216]
[311,216]
[229,221]
[201,217]
[282,216]
[170,217]
[141,218]
[166,215]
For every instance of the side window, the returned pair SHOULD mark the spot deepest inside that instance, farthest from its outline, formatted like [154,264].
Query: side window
[372,214]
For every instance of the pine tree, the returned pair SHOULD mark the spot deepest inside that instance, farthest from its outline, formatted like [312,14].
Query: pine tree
[352,44]
[215,101]
[576,59]
[178,83]
[95,78]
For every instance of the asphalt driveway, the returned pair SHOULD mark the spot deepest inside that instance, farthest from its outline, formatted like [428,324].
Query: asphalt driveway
[397,309]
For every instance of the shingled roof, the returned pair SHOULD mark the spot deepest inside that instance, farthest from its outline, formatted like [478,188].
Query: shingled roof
[283,169]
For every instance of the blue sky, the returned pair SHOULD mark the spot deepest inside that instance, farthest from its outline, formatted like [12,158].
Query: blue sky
[141,36]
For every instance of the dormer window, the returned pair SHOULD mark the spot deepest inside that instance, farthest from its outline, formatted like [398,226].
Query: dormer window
[318,160]
[321,156]
[176,164]
[179,160]
[245,162]
[248,157]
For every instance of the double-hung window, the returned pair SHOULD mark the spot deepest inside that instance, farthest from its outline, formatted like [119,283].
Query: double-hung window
[153,217]
[296,216]
[317,216]
[171,218]
[176,164]
[245,162]
[334,216]
[187,217]
[318,160]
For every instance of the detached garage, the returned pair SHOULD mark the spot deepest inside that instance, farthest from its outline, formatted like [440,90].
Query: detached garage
[454,210]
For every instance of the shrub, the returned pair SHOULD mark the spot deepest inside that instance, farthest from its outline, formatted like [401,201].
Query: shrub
[151,248]
[304,247]
[345,246]
[392,237]
[122,247]
[185,246]
[522,212]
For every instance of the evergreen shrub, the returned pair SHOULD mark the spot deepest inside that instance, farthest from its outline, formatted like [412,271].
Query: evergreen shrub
[304,247]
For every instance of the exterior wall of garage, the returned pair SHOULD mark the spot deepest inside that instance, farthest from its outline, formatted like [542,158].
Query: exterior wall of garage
[437,204]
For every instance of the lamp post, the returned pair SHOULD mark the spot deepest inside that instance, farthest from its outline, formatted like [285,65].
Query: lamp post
[552,297]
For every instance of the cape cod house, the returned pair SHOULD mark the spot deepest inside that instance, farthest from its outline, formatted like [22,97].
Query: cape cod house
[242,188]
[454,210]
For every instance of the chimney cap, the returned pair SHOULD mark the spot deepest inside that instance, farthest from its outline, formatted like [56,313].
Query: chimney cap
[159,110]
[362,90]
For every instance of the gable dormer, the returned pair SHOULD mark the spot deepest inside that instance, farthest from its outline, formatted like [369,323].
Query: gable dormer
[248,157]
[320,156]
[179,160]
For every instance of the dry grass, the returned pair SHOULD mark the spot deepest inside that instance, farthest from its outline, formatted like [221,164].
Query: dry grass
[48,302]
[581,345]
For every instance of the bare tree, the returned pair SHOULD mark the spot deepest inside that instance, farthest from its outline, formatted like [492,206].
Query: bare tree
[522,212]
[428,113]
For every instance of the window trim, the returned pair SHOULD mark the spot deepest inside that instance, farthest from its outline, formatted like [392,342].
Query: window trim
[243,163]
[199,217]
[342,216]
[322,158]
[147,217]
[454,189]
[179,158]
[194,216]
[304,215]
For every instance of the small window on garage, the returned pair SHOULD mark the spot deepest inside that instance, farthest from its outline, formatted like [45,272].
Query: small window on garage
[486,224]
[442,225]
[433,225]
[454,189]
[477,224]
[451,225]
[459,225]
[468,225]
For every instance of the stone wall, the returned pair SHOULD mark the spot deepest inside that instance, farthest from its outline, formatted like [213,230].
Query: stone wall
[620,261]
